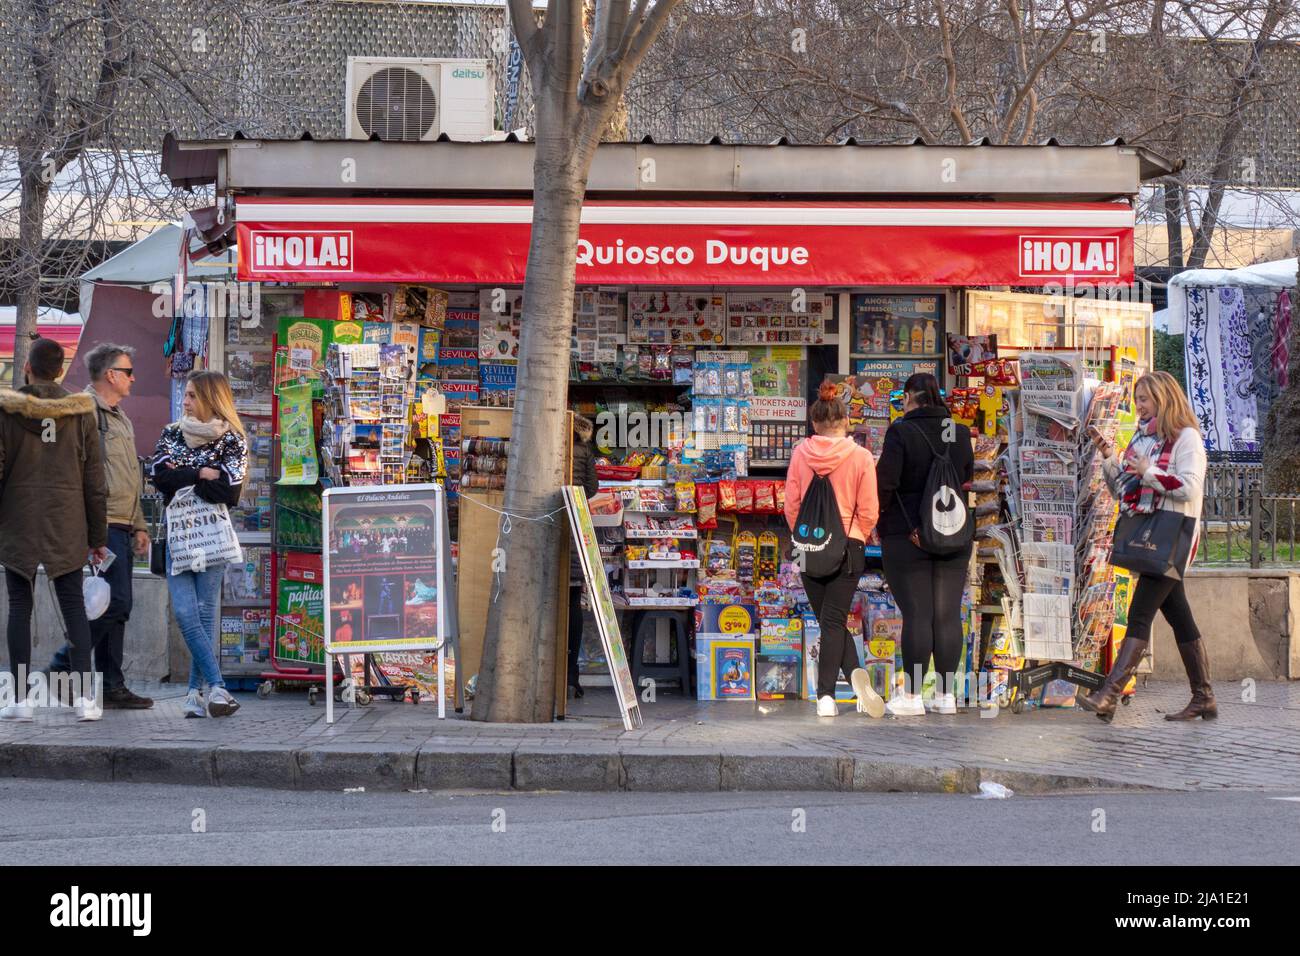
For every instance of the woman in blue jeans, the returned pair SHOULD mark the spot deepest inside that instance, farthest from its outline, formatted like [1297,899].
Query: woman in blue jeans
[205,450]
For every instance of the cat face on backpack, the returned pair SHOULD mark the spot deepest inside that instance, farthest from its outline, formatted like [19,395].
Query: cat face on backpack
[947,512]
[817,533]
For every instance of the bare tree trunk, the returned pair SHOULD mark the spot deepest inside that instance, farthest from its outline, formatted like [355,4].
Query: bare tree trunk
[1174,226]
[30,252]
[517,678]
[573,106]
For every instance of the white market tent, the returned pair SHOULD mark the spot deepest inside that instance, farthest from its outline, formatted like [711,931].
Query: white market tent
[1280,274]
[153,259]
[1234,329]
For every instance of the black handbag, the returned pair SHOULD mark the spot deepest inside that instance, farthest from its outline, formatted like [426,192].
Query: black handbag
[1158,544]
[158,553]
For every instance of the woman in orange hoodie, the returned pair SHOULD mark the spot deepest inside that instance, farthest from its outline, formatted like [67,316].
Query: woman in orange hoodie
[852,474]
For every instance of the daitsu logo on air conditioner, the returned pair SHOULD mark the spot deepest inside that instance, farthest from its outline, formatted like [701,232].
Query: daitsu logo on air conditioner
[286,250]
[1068,255]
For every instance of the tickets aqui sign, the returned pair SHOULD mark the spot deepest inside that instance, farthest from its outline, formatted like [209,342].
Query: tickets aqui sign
[675,243]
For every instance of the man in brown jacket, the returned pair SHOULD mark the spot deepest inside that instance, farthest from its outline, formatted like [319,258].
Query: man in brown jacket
[53,512]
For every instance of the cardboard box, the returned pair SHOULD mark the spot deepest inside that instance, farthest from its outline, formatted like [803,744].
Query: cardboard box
[724,667]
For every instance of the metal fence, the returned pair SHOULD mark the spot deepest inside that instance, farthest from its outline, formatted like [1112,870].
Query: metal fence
[1228,485]
[1249,529]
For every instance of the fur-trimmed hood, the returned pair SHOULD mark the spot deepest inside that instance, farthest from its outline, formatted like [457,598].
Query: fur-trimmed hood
[45,401]
[32,405]
[583,427]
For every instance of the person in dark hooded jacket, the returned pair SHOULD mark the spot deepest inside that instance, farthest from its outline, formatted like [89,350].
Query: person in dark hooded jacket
[53,512]
[584,473]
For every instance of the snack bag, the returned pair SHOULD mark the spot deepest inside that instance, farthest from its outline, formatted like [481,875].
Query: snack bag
[745,496]
[706,502]
[726,496]
[764,497]
[685,495]
[779,495]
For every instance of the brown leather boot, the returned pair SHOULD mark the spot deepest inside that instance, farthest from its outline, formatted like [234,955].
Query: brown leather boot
[1104,699]
[1197,663]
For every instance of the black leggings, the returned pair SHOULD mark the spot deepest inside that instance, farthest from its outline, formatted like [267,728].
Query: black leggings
[928,591]
[831,597]
[73,605]
[1161,594]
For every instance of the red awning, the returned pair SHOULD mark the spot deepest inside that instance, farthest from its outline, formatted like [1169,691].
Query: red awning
[683,243]
[65,335]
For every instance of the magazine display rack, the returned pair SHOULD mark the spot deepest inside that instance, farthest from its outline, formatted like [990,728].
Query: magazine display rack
[1050,603]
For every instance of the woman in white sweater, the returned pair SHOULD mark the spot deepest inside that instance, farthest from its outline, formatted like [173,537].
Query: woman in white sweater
[1163,467]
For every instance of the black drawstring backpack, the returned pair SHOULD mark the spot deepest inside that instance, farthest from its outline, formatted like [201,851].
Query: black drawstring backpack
[947,524]
[818,534]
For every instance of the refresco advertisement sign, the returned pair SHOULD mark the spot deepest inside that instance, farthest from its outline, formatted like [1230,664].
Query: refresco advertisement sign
[666,243]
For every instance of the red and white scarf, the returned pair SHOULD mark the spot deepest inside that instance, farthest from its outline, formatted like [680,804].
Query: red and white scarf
[1137,498]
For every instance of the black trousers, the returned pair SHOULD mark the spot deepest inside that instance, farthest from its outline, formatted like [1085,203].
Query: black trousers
[108,631]
[67,589]
[1167,596]
[928,590]
[831,597]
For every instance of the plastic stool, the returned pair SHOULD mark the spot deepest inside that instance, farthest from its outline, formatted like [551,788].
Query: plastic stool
[646,632]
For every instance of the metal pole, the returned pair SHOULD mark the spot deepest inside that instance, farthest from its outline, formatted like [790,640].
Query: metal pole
[1255,517]
[442,560]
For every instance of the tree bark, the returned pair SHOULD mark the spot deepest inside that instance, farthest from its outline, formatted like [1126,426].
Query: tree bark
[517,678]
[31,229]
[572,108]
[516,681]
[1173,225]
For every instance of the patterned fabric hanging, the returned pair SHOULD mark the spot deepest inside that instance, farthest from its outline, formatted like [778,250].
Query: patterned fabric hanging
[1281,351]
[1238,408]
[1201,353]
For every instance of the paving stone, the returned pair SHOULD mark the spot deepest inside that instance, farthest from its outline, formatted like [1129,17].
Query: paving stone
[440,767]
[342,766]
[758,771]
[581,770]
[274,766]
[165,762]
[672,770]
[71,761]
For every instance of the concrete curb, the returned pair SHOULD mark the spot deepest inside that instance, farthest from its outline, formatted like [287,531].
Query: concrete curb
[442,767]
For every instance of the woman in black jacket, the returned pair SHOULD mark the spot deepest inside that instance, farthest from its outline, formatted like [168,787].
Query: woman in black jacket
[584,473]
[205,450]
[927,587]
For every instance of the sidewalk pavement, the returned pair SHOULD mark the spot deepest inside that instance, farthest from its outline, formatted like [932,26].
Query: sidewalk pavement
[684,745]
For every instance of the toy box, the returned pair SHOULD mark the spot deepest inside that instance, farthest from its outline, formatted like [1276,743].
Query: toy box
[778,676]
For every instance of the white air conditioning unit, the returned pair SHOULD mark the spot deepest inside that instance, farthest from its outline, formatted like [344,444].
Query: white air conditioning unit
[413,99]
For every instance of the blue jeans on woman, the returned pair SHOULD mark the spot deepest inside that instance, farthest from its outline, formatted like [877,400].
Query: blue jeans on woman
[196,602]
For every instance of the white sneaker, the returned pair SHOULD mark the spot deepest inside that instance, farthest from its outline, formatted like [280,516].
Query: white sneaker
[220,703]
[906,705]
[88,710]
[826,707]
[942,704]
[194,706]
[18,713]
[869,702]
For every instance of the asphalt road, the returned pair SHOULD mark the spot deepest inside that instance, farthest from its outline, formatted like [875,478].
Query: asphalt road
[66,822]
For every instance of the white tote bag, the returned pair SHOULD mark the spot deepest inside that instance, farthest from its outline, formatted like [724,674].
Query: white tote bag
[199,534]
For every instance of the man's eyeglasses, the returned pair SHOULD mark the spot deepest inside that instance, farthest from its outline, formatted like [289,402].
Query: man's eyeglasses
[128,372]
